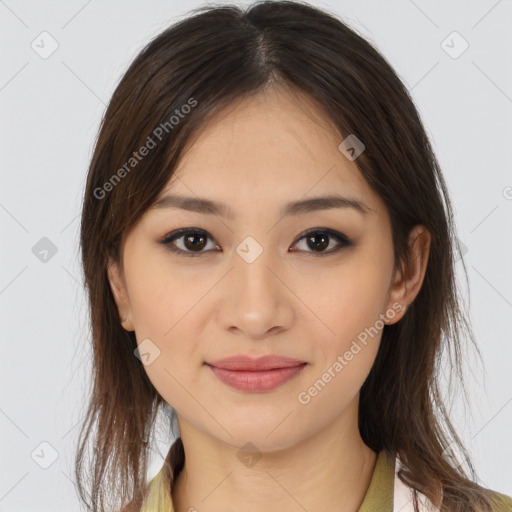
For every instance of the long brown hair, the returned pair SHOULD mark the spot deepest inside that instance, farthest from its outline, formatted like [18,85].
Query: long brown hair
[183,77]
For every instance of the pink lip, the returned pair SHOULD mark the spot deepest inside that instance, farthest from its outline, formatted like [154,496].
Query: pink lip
[257,375]
[269,362]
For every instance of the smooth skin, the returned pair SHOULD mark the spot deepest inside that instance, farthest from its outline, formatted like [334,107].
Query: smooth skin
[293,300]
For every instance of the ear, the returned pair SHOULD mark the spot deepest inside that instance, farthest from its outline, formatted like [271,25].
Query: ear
[119,291]
[409,277]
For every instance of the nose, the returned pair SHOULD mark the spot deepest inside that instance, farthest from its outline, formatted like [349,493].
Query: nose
[256,300]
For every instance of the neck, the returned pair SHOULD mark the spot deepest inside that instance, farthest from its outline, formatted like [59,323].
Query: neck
[329,470]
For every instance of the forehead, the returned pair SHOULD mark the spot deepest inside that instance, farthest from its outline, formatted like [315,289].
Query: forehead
[275,146]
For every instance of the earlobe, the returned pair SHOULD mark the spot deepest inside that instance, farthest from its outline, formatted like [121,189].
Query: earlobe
[118,287]
[409,277]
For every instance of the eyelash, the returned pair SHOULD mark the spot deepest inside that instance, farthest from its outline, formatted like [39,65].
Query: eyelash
[179,233]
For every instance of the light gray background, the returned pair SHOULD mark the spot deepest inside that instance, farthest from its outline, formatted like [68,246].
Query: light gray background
[50,112]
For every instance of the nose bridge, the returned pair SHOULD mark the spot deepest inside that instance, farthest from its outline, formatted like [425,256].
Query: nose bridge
[253,277]
[256,300]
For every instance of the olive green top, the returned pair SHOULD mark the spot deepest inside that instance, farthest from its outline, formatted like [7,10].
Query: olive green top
[379,496]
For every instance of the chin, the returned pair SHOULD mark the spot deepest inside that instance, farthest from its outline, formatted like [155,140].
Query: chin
[271,434]
[251,440]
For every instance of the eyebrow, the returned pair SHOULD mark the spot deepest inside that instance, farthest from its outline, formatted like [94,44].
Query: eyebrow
[207,206]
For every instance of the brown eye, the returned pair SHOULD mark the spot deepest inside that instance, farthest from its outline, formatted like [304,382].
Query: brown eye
[319,239]
[192,241]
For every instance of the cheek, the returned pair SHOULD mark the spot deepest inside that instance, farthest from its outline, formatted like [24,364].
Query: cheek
[347,303]
[346,299]
[160,294]
[171,325]
[166,310]
[346,342]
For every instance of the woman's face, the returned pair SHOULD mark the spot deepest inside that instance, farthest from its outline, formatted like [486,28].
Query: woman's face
[253,283]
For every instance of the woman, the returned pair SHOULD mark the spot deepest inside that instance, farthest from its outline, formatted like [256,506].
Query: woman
[268,248]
